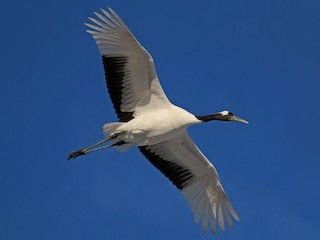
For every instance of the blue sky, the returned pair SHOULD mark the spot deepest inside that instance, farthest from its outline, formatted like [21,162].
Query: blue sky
[259,59]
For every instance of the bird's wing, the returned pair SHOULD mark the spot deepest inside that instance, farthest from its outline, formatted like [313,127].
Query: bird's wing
[191,172]
[129,69]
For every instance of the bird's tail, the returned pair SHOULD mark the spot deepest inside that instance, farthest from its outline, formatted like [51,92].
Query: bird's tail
[111,132]
[110,129]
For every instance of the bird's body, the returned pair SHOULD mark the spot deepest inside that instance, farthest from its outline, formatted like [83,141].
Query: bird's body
[147,119]
[156,126]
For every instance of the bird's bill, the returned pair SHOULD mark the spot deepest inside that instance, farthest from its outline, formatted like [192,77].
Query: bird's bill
[237,119]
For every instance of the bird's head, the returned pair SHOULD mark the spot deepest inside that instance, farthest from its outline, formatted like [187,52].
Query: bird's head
[228,116]
[221,116]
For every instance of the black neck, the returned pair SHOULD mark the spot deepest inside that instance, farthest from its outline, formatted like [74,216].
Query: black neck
[211,117]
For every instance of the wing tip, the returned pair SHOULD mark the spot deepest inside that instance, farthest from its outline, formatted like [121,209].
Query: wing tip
[111,10]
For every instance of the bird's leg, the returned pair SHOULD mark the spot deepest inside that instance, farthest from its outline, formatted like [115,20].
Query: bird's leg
[83,151]
[92,148]
[104,147]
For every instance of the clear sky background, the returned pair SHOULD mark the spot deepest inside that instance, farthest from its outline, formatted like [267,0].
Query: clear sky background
[258,59]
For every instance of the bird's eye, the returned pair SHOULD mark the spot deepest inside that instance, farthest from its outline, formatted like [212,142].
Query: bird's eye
[230,114]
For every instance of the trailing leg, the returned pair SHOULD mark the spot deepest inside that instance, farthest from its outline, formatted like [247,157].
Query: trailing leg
[94,147]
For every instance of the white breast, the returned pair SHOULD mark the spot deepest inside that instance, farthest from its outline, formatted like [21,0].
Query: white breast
[157,126]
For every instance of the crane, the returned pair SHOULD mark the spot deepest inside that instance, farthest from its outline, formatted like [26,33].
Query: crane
[148,120]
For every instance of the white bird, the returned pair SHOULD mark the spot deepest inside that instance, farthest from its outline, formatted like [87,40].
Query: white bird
[150,121]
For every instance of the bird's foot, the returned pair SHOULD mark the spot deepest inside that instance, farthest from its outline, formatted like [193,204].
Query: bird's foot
[77,153]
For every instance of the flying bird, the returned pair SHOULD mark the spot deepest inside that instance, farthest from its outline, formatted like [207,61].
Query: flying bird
[148,120]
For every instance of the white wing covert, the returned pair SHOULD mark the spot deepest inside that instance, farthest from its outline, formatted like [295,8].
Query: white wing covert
[191,172]
[131,77]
